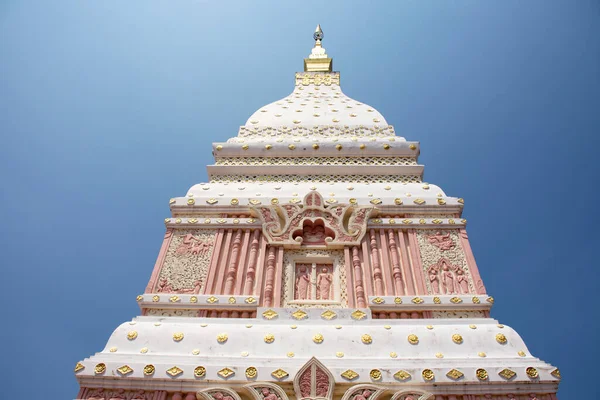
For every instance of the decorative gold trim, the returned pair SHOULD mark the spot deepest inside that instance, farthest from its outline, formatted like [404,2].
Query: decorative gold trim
[124,370]
[454,374]
[269,338]
[532,373]
[456,300]
[100,368]
[222,337]
[78,367]
[366,339]
[250,300]
[456,338]
[402,375]
[378,300]
[328,315]
[139,298]
[318,338]
[437,300]
[556,373]
[500,338]
[251,372]
[178,336]
[279,374]
[131,335]
[269,314]
[349,374]
[212,300]
[413,339]
[174,371]
[417,300]
[149,370]
[358,315]
[299,315]
[193,299]
[428,375]
[393,354]
[199,371]
[226,373]
[507,374]
[375,374]
[482,374]
[174,299]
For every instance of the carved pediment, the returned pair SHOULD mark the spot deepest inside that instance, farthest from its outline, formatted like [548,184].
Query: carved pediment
[314,381]
[314,222]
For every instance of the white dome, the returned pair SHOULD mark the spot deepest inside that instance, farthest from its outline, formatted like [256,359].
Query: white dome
[316,102]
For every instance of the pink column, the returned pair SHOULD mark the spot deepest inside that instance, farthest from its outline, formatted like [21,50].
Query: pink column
[377,276]
[251,273]
[386,265]
[222,266]
[408,275]
[358,279]
[260,267]
[464,242]
[214,262]
[397,273]
[242,264]
[159,260]
[233,263]
[417,266]
[278,278]
[349,281]
[270,276]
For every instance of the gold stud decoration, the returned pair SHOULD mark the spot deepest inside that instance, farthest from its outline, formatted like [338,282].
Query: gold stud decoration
[419,202]
[222,337]
[386,146]
[366,339]
[124,370]
[362,146]
[268,147]
[315,146]
[279,374]
[398,300]
[149,370]
[456,300]
[473,326]
[144,350]
[490,300]
[375,374]
[275,201]
[226,373]
[476,300]
[292,147]
[456,338]
[113,349]
[196,352]
[199,371]
[339,354]
[328,315]
[556,373]
[178,336]
[417,300]
[269,338]
[358,315]
[318,338]
[78,367]
[376,202]
[482,374]
[174,299]
[500,338]
[507,374]
[441,202]
[521,353]
[212,201]
[454,374]
[193,299]
[430,327]
[428,374]
[398,202]
[437,300]
[349,375]
[402,375]
[291,354]
[412,147]
[481,354]
[338,147]
[155,298]
[269,314]
[100,368]
[140,297]
[378,300]
[251,372]
[299,315]
[219,148]
[231,300]
[250,300]
[191,202]
[393,354]
[413,339]
[131,335]
[532,373]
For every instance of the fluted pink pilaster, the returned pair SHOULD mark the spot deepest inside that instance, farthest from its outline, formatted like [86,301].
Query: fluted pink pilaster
[251,272]
[377,275]
[233,263]
[159,260]
[349,280]
[242,264]
[464,242]
[214,263]
[396,271]
[358,279]
[409,279]
[269,277]
[417,266]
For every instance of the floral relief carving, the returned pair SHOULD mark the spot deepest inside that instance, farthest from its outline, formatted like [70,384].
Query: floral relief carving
[314,381]
[164,312]
[186,262]
[363,392]
[446,269]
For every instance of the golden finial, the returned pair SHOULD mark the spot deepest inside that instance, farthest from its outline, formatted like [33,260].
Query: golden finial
[318,60]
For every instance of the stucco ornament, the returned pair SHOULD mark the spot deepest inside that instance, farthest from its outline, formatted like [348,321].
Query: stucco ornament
[363,392]
[314,222]
[314,381]
[217,393]
[265,391]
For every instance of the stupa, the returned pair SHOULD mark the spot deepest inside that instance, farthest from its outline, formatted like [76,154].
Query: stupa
[315,264]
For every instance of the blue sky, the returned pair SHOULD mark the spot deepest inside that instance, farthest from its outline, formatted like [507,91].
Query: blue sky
[108,109]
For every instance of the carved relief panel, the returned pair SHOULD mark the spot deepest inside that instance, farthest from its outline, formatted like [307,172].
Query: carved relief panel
[314,278]
[444,263]
[186,263]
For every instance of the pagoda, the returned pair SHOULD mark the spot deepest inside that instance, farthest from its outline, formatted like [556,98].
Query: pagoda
[315,264]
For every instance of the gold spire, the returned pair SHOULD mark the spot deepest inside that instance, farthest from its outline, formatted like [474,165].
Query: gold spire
[318,61]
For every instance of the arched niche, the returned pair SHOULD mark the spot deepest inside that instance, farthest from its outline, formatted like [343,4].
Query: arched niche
[314,381]
[265,391]
[217,393]
[363,391]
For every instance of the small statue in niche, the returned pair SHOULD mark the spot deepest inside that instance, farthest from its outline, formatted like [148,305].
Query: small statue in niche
[462,281]
[433,279]
[268,395]
[448,280]
[324,281]
[363,396]
[302,283]
[443,242]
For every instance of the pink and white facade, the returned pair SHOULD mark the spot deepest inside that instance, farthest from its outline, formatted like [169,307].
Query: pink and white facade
[315,263]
